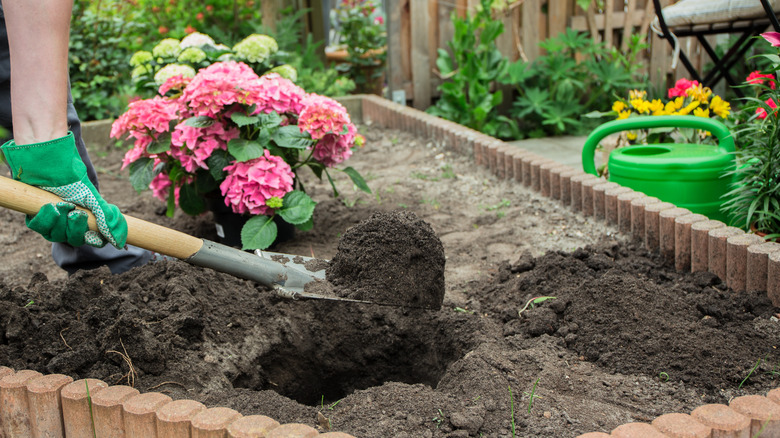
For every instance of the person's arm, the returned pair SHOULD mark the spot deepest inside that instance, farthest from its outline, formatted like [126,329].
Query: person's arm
[38,35]
[43,152]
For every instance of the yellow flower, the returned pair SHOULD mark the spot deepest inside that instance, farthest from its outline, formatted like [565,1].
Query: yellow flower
[656,105]
[623,115]
[699,93]
[720,107]
[618,106]
[631,135]
[690,107]
[641,105]
[637,94]
[701,112]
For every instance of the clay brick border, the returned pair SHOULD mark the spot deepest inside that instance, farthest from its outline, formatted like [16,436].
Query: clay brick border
[53,403]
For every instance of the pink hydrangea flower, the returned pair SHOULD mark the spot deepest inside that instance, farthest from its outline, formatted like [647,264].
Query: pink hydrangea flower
[178,82]
[757,78]
[275,93]
[322,115]
[146,117]
[218,86]
[333,149]
[193,146]
[249,185]
[680,87]
[762,112]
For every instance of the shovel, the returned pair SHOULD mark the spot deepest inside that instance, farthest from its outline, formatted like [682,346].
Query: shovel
[286,275]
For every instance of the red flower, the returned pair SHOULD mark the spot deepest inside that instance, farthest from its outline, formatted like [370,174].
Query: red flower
[762,112]
[681,86]
[189,29]
[163,30]
[757,78]
[209,8]
[155,9]
[199,17]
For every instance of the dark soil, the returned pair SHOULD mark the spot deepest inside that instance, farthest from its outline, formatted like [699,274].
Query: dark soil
[390,258]
[625,338]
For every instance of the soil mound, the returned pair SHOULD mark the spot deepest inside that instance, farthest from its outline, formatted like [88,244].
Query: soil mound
[393,258]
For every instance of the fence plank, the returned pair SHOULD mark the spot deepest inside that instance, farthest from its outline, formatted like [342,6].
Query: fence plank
[530,28]
[395,78]
[627,28]
[659,58]
[609,11]
[558,15]
[421,67]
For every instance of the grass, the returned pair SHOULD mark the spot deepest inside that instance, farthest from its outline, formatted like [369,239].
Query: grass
[533,302]
[512,411]
[438,419]
[498,208]
[432,202]
[91,414]
[755,367]
[532,395]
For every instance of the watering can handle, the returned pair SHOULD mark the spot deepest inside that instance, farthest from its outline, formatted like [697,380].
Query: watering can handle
[725,139]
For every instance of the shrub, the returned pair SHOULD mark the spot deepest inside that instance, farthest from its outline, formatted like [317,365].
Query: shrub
[99,49]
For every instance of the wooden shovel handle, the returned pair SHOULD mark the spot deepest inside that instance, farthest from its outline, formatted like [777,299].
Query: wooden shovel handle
[27,199]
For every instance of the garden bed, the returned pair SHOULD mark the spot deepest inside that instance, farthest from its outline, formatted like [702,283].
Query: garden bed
[626,339]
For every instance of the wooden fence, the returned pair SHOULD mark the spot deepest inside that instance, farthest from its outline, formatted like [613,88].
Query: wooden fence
[417,28]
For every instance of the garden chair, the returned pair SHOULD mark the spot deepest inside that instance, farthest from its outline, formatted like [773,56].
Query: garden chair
[700,18]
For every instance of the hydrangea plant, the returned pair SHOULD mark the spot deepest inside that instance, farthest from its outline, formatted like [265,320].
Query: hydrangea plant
[228,134]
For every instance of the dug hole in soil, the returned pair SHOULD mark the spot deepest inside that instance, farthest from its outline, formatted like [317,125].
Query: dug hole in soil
[625,338]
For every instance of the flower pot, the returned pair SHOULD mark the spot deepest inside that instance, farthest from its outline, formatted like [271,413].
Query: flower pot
[229,224]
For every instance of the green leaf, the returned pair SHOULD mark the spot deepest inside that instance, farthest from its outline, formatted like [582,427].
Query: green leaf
[142,173]
[199,122]
[306,226]
[171,204]
[357,179]
[245,150]
[162,144]
[291,137]
[190,201]
[241,119]
[270,120]
[259,232]
[218,160]
[297,207]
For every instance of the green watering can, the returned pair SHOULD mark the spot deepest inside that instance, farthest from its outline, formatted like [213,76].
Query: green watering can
[691,176]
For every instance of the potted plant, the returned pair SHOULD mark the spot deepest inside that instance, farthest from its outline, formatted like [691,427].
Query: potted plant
[361,44]
[228,137]
[754,202]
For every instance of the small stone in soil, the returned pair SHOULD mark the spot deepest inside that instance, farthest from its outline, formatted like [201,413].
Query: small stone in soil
[390,258]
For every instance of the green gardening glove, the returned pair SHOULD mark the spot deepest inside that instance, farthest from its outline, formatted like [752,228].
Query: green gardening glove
[56,166]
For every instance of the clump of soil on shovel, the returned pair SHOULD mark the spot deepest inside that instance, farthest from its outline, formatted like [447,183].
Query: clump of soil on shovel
[390,258]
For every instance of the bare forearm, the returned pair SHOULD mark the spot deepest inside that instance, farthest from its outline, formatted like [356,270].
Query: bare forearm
[38,32]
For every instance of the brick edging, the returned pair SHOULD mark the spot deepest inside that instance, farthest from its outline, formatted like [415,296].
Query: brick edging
[688,241]
[53,405]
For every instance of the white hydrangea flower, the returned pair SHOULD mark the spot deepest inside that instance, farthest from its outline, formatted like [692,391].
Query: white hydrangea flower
[192,55]
[167,48]
[140,71]
[141,57]
[197,39]
[255,48]
[286,71]
[172,70]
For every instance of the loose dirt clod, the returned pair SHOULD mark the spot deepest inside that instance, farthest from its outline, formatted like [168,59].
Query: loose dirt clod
[392,258]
